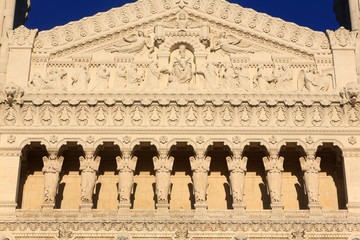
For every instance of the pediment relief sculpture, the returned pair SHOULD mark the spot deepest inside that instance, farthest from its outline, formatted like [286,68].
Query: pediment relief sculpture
[184,52]
[133,44]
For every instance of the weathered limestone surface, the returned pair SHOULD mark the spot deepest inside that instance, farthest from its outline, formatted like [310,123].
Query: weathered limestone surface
[179,119]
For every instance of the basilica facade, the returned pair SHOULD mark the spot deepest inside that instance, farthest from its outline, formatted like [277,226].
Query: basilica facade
[179,119]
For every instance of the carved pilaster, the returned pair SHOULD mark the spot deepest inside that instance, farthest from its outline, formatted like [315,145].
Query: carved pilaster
[20,44]
[10,176]
[163,165]
[237,168]
[126,165]
[343,45]
[351,170]
[52,168]
[310,165]
[274,167]
[89,165]
[200,166]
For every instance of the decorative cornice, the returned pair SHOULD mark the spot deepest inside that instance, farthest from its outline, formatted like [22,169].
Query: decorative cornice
[342,38]
[141,12]
[21,37]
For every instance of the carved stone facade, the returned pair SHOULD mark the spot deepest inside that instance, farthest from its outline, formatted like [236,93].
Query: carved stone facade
[179,119]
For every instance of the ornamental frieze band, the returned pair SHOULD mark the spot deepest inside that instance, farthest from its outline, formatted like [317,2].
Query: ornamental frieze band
[176,120]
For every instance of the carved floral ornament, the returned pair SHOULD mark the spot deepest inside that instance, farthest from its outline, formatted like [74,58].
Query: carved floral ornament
[174,115]
[21,37]
[234,15]
[342,38]
[207,59]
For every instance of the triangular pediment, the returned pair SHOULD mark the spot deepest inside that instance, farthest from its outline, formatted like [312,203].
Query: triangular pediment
[118,21]
[218,45]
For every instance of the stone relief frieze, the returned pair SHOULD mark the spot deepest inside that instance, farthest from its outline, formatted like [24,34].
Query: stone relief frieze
[184,114]
[150,58]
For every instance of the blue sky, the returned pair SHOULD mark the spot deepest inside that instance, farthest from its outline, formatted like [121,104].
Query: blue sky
[315,14]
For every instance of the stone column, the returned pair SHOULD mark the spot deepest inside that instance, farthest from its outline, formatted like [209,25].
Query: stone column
[237,168]
[89,166]
[200,166]
[351,174]
[126,165]
[274,167]
[311,167]
[10,175]
[354,14]
[163,165]
[7,13]
[52,168]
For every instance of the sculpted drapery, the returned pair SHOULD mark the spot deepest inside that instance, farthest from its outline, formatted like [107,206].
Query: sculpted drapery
[51,170]
[126,166]
[200,166]
[274,167]
[311,167]
[163,166]
[89,165]
[237,168]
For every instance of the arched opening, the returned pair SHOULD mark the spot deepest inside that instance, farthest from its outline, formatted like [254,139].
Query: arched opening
[293,191]
[182,194]
[256,193]
[106,194]
[144,179]
[31,185]
[331,177]
[219,196]
[69,191]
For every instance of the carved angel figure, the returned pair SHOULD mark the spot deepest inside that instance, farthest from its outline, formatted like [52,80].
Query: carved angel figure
[311,167]
[51,170]
[230,44]
[102,79]
[311,80]
[81,79]
[182,68]
[200,165]
[237,169]
[126,166]
[134,44]
[89,165]
[274,167]
[163,167]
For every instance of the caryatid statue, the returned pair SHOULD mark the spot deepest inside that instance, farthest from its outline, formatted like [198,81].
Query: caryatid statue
[126,166]
[200,166]
[51,170]
[163,166]
[311,167]
[237,168]
[89,165]
[274,167]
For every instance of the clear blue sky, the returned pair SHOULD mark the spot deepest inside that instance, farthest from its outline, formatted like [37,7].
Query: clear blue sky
[315,14]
